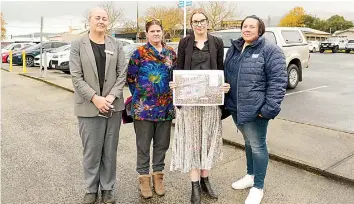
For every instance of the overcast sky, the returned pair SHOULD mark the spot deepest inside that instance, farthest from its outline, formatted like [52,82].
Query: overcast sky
[59,15]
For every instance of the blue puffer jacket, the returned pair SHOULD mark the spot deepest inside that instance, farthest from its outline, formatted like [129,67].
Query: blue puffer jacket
[259,84]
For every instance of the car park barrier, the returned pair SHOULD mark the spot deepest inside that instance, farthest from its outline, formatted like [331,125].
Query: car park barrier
[24,61]
[10,58]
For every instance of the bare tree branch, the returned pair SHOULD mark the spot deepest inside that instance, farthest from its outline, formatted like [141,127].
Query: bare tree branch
[115,15]
[218,11]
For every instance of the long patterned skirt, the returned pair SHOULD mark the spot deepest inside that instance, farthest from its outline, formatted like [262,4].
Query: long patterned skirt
[197,142]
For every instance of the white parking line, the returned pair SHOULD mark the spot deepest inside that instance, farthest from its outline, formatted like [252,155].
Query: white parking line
[320,87]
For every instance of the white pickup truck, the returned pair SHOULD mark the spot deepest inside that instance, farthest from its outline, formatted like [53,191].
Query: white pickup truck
[349,46]
[290,40]
[334,43]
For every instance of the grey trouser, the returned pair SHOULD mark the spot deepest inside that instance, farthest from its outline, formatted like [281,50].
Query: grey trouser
[160,133]
[100,140]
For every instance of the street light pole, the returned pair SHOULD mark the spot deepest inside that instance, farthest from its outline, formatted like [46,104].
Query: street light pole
[185,18]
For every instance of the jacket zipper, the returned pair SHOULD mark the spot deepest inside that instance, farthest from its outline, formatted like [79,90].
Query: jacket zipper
[238,77]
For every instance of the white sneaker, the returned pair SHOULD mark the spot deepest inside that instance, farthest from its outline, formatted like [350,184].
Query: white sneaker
[255,196]
[246,182]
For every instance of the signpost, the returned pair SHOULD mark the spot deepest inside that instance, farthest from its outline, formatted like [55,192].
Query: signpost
[184,4]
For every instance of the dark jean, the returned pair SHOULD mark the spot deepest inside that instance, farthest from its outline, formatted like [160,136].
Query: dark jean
[255,134]
[159,133]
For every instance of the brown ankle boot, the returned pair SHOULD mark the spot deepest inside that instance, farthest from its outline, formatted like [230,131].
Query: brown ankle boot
[157,180]
[145,186]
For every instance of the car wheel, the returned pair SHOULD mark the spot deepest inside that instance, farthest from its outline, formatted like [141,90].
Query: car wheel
[66,72]
[293,76]
[8,59]
[321,51]
[314,49]
[347,51]
[335,49]
[29,61]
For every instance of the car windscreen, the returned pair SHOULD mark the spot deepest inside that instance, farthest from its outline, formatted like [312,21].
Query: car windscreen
[228,36]
[351,41]
[129,49]
[8,47]
[33,47]
[60,49]
[26,46]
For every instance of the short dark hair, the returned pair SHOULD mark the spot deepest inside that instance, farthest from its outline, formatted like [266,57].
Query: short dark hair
[151,22]
[261,26]
[196,12]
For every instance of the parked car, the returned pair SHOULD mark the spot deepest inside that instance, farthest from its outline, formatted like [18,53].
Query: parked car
[125,41]
[6,55]
[174,45]
[34,50]
[334,43]
[60,61]
[349,46]
[314,46]
[290,40]
[50,55]
[129,49]
[63,66]
[15,47]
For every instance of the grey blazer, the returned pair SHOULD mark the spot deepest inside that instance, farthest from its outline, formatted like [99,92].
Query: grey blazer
[83,70]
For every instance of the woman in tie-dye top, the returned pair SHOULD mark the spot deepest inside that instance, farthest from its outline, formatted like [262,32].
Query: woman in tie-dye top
[149,73]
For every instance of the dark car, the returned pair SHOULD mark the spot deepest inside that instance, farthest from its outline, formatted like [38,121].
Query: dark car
[33,51]
[64,67]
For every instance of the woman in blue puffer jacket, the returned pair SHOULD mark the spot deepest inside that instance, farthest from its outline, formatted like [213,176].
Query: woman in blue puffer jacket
[256,70]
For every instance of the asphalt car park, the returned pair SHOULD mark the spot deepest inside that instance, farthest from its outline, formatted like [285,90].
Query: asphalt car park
[325,97]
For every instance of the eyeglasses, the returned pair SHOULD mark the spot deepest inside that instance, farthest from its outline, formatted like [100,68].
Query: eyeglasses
[153,19]
[202,22]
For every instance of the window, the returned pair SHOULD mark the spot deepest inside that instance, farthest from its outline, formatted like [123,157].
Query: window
[271,37]
[124,43]
[57,44]
[291,36]
[228,36]
[46,46]
[17,46]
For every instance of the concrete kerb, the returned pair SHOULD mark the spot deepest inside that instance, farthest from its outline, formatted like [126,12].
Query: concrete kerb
[5,69]
[299,165]
[328,128]
[272,156]
[47,82]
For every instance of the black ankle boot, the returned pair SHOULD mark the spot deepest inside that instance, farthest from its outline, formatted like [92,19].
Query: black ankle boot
[195,198]
[206,187]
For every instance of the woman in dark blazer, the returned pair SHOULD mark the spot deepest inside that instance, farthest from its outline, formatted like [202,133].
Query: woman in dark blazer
[197,143]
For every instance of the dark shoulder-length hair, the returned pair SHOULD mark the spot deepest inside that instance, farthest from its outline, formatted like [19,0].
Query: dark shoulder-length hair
[261,26]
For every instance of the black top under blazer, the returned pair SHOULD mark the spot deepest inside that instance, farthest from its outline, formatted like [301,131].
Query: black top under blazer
[185,52]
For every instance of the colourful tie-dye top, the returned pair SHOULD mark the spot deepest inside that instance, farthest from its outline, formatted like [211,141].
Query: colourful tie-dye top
[149,74]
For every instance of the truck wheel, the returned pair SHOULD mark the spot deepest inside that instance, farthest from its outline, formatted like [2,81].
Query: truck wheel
[335,49]
[293,76]
[347,51]
[321,51]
